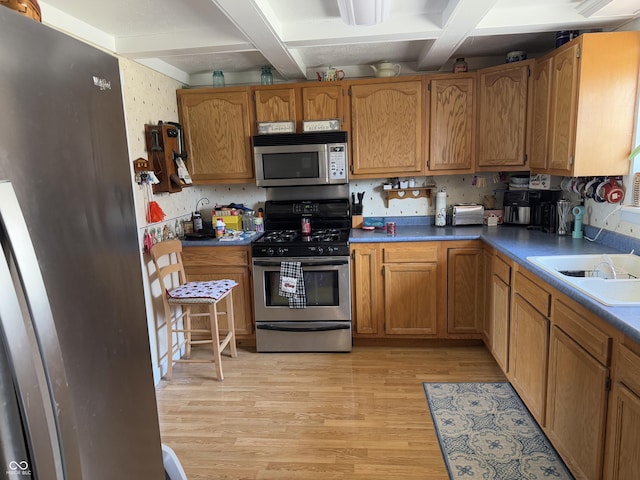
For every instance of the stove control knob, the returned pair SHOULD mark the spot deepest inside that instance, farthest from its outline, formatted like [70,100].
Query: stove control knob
[281,251]
[320,250]
[270,251]
[330,249]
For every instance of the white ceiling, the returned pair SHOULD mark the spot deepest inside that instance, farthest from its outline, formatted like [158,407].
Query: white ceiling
[188,39]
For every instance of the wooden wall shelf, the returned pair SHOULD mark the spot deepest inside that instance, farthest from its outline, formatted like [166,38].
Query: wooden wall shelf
[404,193]
[162,146]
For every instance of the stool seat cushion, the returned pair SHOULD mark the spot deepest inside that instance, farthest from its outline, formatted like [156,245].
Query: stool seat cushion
[200,292]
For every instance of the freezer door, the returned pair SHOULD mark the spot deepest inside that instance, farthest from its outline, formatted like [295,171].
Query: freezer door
[31,359]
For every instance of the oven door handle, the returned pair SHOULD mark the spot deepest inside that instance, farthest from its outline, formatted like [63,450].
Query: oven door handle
[324,328]
[326,263]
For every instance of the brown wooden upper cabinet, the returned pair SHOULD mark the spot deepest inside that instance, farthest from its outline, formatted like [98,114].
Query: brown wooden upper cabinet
[217,127]
[585,125]
[502,117]
[386,128]
[450,103]
[275,104]
[298,102]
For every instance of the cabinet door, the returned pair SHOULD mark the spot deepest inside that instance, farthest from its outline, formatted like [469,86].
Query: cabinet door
[386,129]
[541,105]
[499,324]
[623,438]
[323,103]
[577,405]
[217,131]
[410,298]
[487,295]
[451,124]
[275,104]
[528,352]
[465,289]
[564,101]
[502,117]
[366,290]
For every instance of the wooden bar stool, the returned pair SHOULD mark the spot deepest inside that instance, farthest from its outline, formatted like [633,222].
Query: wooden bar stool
[185,295]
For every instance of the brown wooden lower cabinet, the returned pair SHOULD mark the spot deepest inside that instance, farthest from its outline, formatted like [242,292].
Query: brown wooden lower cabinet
[622,459]
[397,289]
[577,405]
[466,285]
[528,351]
[499,311]
[232,262]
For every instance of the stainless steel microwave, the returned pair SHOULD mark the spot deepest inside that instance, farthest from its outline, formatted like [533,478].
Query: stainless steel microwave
[299,159]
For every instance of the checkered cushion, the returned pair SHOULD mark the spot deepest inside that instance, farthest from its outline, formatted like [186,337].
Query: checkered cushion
[200,292]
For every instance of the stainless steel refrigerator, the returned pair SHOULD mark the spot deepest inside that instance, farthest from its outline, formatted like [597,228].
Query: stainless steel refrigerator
[77,399]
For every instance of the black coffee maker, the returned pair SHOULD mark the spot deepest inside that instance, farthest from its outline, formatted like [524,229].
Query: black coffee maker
[534,209]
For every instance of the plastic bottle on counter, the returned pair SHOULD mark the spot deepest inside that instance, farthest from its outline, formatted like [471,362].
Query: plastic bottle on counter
[220,228]
[441,209]
[259,223]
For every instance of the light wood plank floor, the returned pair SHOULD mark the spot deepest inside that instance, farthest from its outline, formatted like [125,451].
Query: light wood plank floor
[356,416]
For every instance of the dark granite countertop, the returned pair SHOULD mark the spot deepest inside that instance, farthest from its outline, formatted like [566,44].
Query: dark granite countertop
[519,243]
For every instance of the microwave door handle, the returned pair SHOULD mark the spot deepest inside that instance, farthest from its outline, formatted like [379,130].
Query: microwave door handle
[32,342]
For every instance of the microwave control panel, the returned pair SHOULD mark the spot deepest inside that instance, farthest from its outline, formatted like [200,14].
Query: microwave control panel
[337,162]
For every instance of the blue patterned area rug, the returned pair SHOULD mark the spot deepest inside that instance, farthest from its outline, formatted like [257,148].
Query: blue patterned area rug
[486,432]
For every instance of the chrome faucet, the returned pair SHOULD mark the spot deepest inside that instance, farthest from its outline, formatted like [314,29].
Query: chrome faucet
[606,260]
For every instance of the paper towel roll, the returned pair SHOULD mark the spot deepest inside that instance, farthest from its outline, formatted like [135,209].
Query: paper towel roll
[441,209]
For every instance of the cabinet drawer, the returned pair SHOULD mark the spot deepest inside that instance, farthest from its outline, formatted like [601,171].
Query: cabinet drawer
[537,296]
[502,269]
[628,369]
[572,321]
[410,253]
[200,256]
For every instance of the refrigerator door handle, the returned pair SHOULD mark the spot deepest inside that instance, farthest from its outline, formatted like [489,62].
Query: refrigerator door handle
[30,339]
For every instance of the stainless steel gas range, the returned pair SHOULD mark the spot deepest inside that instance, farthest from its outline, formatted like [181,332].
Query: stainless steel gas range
[318,318]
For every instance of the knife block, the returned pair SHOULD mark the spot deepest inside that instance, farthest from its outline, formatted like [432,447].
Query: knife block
[162,145]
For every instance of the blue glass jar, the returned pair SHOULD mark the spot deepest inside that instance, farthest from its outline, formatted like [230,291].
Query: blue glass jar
[218,78]
[266,78]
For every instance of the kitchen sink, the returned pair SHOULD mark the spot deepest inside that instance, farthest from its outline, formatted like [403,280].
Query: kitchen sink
[611,279]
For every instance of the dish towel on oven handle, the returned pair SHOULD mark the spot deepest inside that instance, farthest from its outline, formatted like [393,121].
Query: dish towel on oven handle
[292,284]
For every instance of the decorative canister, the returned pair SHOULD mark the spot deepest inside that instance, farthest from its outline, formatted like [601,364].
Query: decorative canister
[516,56]
[218,78]
[564,36]
[391,228]
[29,8]
[460,66]
[266,78]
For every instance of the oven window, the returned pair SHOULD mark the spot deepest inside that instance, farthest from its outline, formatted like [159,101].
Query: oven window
[278,166]
[321,287]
